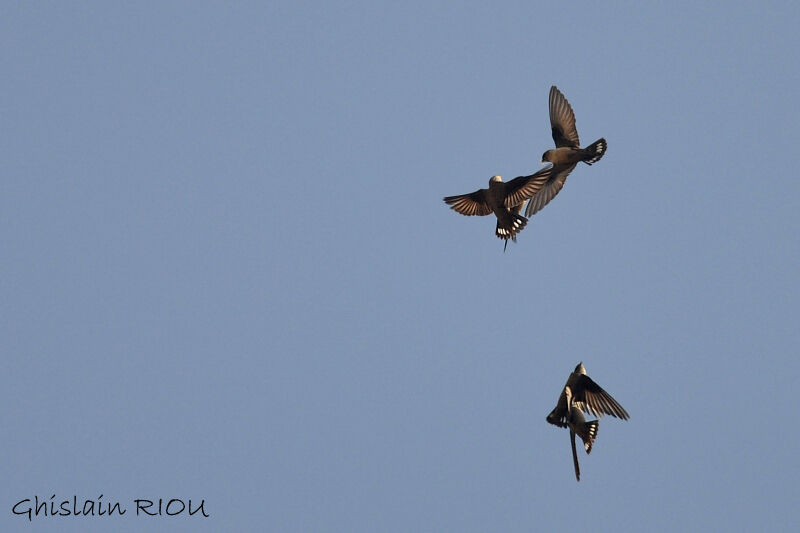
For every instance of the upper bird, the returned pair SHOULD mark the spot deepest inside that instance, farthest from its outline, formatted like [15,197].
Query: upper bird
[582,392]
[503,199]
[567,153]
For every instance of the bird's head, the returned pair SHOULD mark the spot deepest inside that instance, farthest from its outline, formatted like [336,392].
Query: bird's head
[496,179]
[580,369]
[546,157]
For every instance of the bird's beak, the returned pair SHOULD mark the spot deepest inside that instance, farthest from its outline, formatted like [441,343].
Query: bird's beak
[544,163]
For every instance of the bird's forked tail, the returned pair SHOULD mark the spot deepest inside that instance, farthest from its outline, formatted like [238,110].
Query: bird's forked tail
[588,433]
[594,152]
[510,226]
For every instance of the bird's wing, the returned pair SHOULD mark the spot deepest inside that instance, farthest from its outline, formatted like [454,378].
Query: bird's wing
[549,190]
[470,204]
[520,189]
[575,455]
[562,120]
[558,416]
[592,399]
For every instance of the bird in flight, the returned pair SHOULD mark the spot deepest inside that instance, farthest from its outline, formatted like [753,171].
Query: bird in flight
[504,199]
[581,393]
[566,154]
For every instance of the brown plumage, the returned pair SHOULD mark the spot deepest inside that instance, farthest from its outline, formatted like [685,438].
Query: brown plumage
[503,199]
[588,396]
[581,394]
[566,154]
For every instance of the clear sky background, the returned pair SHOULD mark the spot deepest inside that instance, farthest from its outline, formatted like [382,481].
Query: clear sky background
[227,272]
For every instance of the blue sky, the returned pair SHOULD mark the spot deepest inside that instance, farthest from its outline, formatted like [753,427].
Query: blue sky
[228,274]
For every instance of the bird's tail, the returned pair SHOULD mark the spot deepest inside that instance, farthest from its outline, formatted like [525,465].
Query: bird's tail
[575,455]
[588,432]
[510,226]
[595,151]
[505,244]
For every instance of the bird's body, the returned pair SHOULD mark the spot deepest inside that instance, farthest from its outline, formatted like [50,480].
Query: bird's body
[503,199]
[496,199]
[566,154]
[562,156]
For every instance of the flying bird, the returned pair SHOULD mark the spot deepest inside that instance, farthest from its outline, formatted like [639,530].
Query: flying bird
[567,153]
[581,393]
[504,199]
[587,431]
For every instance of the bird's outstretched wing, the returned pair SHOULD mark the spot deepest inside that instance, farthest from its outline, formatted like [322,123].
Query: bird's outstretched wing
[562,120]
[470,204]
[592,399]
[520,189]
[549,190]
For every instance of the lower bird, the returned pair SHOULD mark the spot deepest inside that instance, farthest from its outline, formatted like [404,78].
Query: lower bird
[581,394]
[503,199]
